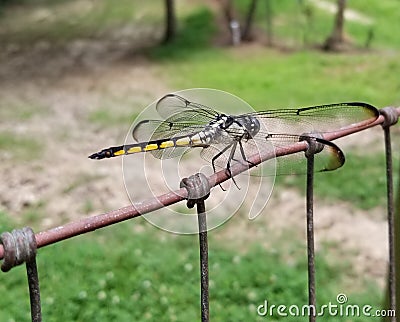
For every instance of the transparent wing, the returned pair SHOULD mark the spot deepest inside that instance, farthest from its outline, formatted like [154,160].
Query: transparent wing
[220,155]
[154,129]
[182,110]
[181,117]
[321,118]
[170,153]
[330,157]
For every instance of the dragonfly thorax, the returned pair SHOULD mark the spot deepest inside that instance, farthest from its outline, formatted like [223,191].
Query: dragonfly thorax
[217,130]
[221,122]
[226,128]
[250,124]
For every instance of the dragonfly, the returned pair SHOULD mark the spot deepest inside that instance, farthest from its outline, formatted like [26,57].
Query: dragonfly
[226,139]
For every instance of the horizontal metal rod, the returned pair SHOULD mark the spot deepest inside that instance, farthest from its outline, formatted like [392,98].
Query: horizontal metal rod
[85,225]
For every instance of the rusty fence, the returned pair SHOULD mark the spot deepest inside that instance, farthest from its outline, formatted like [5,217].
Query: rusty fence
[20,246]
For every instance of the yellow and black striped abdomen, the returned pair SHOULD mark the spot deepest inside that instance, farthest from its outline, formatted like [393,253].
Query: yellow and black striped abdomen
[186,141]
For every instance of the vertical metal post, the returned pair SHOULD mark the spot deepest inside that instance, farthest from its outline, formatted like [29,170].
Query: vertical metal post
[34,292]
[202,219]
[19,247]
[390,218]
[198,189]
[310,236]
[390,119]
[397,241]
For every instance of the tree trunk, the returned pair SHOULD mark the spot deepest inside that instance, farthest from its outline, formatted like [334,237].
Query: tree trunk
[336,40]
[170,21]
[269,23]
[233,24]
[246,35]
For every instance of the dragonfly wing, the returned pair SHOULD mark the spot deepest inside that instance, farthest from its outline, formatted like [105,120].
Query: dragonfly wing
[217,152]
[328,157]
[169,153]
[220,154]
[322,118]
[178,107]
[182,118]
[148,130]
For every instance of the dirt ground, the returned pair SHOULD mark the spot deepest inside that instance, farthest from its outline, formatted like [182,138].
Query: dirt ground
[62,89]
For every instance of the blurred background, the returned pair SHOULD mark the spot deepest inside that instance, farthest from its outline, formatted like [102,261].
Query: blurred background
[74,75]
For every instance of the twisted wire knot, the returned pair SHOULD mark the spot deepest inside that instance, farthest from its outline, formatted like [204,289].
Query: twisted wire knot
[314,143]
[19,247]
[390,115]
[198,188]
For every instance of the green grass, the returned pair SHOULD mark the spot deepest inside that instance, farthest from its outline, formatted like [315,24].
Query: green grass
[19,147]
[192,39]
[18,111]
[78,181]
[121,274]
[291,26]
[61,21]
[109,117]
[269,78]
[32,214]
[361,182]
[273,79]
[385,15]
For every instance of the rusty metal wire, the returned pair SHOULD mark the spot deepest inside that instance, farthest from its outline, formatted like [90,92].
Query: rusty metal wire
[198,189]
[20,246]
[312,300]
[391,118]
[203,243]
[96,222]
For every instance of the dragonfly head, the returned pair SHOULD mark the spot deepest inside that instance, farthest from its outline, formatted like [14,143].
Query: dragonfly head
[251,124]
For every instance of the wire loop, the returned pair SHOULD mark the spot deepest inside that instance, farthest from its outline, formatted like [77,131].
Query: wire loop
[19,247]
[391,116]
[198,188]
[314,146]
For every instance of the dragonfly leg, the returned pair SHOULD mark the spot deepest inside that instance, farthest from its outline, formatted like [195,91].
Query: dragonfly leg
[216,157]
[244,155]
[228,164]
[231,146]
